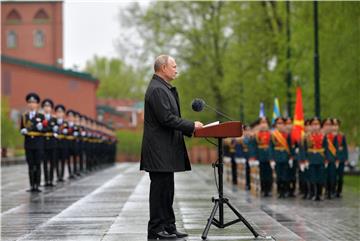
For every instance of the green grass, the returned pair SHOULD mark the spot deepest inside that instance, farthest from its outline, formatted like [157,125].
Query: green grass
[352,183]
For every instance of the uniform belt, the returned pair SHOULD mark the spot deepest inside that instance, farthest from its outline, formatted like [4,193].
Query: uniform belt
[49,134]
[60,136]
[280,148]
[263,146]
[70,137]
[316,150]
[34,133]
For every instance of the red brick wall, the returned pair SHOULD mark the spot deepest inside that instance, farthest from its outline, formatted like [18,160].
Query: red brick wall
[73,92]
[53,29]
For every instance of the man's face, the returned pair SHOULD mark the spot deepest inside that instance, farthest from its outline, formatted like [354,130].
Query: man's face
[47,108]
[280,125]
[60,113]
[169,69]
[70,117]
[32,105]
[315,125]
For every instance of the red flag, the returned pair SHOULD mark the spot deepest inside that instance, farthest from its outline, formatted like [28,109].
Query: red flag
[298,125]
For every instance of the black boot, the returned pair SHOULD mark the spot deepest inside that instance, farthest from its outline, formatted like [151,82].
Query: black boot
[339,188]
[312,191]
[305,190]
[318,192]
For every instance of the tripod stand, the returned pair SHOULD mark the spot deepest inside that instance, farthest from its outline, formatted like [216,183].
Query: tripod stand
[220,201]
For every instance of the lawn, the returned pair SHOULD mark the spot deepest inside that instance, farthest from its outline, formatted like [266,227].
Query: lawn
[352,182]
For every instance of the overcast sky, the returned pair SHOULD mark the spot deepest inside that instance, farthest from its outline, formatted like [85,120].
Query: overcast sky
[91,27]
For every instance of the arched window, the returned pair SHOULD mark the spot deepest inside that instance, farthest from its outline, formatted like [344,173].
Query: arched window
[11,39]
[13,16]
[41,15]
[39,38]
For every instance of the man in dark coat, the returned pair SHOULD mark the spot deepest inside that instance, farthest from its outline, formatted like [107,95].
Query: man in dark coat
[163,147]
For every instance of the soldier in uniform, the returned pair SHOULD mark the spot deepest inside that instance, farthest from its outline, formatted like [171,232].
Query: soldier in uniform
[281,155]
[244,146]
[71,142]
[262,154]
[330,156]
[304,181]
[342,156]
[31,127]
[62,147]
[293,162]
[50,131]
[80,141]
[316,146]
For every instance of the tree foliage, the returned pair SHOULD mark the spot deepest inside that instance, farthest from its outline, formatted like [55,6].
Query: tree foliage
[233,54]
[117,79]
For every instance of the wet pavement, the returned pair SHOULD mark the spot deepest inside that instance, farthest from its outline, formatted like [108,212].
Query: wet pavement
[112,204]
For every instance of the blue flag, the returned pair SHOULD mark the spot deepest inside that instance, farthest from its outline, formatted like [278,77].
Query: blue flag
[262,110]
[276,112]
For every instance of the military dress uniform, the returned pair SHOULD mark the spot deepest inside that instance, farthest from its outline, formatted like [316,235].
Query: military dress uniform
[244,146]
[31,126]
[50,144]
[62,146]
[342,154]
[262,154]
[330,166]
[281,154]
[316,146]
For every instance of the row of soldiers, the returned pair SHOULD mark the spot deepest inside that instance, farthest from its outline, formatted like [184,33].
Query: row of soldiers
[315,161]
[54,136]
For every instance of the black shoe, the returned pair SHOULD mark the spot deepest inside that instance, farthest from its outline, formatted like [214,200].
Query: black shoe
[50,184]
[37,190]
[161,235]
[60,180]
[71,177]
[179,234]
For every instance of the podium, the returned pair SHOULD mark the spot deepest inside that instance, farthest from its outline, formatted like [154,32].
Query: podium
[220,131]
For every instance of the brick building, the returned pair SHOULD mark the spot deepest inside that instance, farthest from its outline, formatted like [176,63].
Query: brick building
[32,58]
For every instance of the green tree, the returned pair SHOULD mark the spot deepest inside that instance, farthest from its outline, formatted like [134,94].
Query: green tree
[10,136]
[117,79]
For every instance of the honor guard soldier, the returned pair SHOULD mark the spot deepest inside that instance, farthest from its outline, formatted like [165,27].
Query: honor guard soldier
[330,157]
[293,163]
[80,144]
[62,147]
[31,127]
[71,142]
[316,146]
[342,157]
[281,155]
[244,146]
[262,154]
[50,131]
[304,184]
[85,141]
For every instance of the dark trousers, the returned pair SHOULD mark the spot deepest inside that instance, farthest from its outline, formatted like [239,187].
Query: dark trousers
[62,157]
[161,200]
[49,164]
[34,158]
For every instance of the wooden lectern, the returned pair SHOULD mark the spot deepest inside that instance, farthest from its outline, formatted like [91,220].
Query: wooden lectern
[220,131]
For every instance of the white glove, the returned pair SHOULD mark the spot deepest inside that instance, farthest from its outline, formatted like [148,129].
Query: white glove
[272,164]
[55,135]
[83,133]
[76,133]
[55,128]
[307,165]
[291,163]
[302,167]
[59,121]
[337,163]
[39,126]
[23,131]
[65,131]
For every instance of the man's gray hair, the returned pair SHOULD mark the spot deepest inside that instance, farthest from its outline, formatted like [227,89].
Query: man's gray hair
[159,61]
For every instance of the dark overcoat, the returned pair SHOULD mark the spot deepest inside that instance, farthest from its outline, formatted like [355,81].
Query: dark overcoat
[163,147]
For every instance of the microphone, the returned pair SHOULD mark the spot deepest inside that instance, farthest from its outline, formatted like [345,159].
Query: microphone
[198,105]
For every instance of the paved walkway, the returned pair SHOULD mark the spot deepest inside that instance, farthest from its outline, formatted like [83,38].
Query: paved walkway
[112,204]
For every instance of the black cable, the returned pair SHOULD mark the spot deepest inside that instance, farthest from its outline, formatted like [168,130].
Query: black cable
[210,141]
